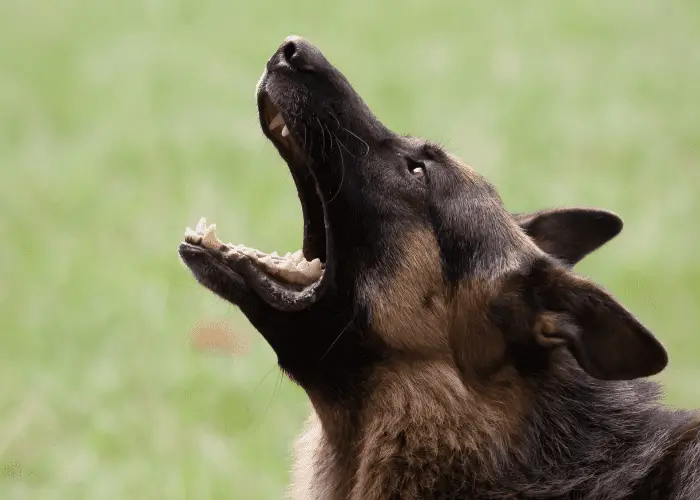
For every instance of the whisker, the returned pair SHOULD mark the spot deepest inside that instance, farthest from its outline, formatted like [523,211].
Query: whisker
[359,139]
[336,120]
[342,168]
[343,145]
[330,136]
[338,338]
[323,137]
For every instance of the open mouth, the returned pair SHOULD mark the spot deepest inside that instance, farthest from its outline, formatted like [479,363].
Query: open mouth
[287,282]
[291,148]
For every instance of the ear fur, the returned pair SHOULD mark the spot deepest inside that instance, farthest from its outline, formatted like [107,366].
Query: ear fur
[608,342]
[570,233]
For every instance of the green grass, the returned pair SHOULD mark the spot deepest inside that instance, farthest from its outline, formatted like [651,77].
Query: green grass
[121,122]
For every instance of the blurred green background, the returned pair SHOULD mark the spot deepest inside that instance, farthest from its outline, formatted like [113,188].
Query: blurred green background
[121,122]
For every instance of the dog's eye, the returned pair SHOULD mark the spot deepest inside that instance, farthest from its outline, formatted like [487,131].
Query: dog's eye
[417,169]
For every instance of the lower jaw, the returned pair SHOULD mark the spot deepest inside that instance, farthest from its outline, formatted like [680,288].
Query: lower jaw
[289,283]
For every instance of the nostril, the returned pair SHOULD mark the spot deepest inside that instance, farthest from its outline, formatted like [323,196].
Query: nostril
[288,51]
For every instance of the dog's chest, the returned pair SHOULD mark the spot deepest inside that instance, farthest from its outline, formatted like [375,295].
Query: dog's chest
[378,473]
[313,477]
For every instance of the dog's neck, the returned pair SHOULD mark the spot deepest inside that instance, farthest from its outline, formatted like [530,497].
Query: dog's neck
[609,440]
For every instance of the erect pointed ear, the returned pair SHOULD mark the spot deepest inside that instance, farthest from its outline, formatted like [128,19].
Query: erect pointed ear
[569,234]
[608,342]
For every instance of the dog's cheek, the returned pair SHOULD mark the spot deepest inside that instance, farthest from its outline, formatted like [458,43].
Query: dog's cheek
[407,299]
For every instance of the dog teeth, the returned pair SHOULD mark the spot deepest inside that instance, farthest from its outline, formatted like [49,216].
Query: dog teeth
[293,268]
[276,122]
[285,131]
[210,239]
[298,256]
[310,268]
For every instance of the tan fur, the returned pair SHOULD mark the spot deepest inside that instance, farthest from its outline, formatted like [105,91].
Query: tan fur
[439,346]
[409,306]
[411,417]
[419,399]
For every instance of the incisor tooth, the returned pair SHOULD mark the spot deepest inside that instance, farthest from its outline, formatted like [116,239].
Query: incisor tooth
[274,254]
[285,131]
[276,121]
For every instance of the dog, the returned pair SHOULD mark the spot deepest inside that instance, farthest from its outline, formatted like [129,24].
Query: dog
[446,345]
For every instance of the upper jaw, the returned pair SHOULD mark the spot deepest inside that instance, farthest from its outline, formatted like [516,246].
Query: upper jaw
[287,113]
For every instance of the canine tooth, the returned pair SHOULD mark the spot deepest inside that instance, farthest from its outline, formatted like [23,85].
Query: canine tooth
[298,256]
[285,131]
[210,239]
[274,254]
[276,121]
[201,225]
[287,256]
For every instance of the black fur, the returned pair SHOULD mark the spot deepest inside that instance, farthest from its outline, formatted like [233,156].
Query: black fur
[449,351]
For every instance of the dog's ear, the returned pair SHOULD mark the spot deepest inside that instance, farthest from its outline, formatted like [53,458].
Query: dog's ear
[569,234]
[608,342]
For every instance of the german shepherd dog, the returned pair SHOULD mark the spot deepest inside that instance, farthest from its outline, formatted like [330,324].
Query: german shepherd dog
[447,347]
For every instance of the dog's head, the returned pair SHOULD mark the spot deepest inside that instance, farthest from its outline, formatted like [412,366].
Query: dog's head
[409,253]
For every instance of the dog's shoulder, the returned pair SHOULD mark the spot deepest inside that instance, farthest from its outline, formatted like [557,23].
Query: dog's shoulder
[681,468]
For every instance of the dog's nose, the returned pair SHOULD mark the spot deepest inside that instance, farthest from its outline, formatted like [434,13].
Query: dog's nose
[300,54]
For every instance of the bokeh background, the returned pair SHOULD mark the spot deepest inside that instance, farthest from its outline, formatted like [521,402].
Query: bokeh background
[121,122]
